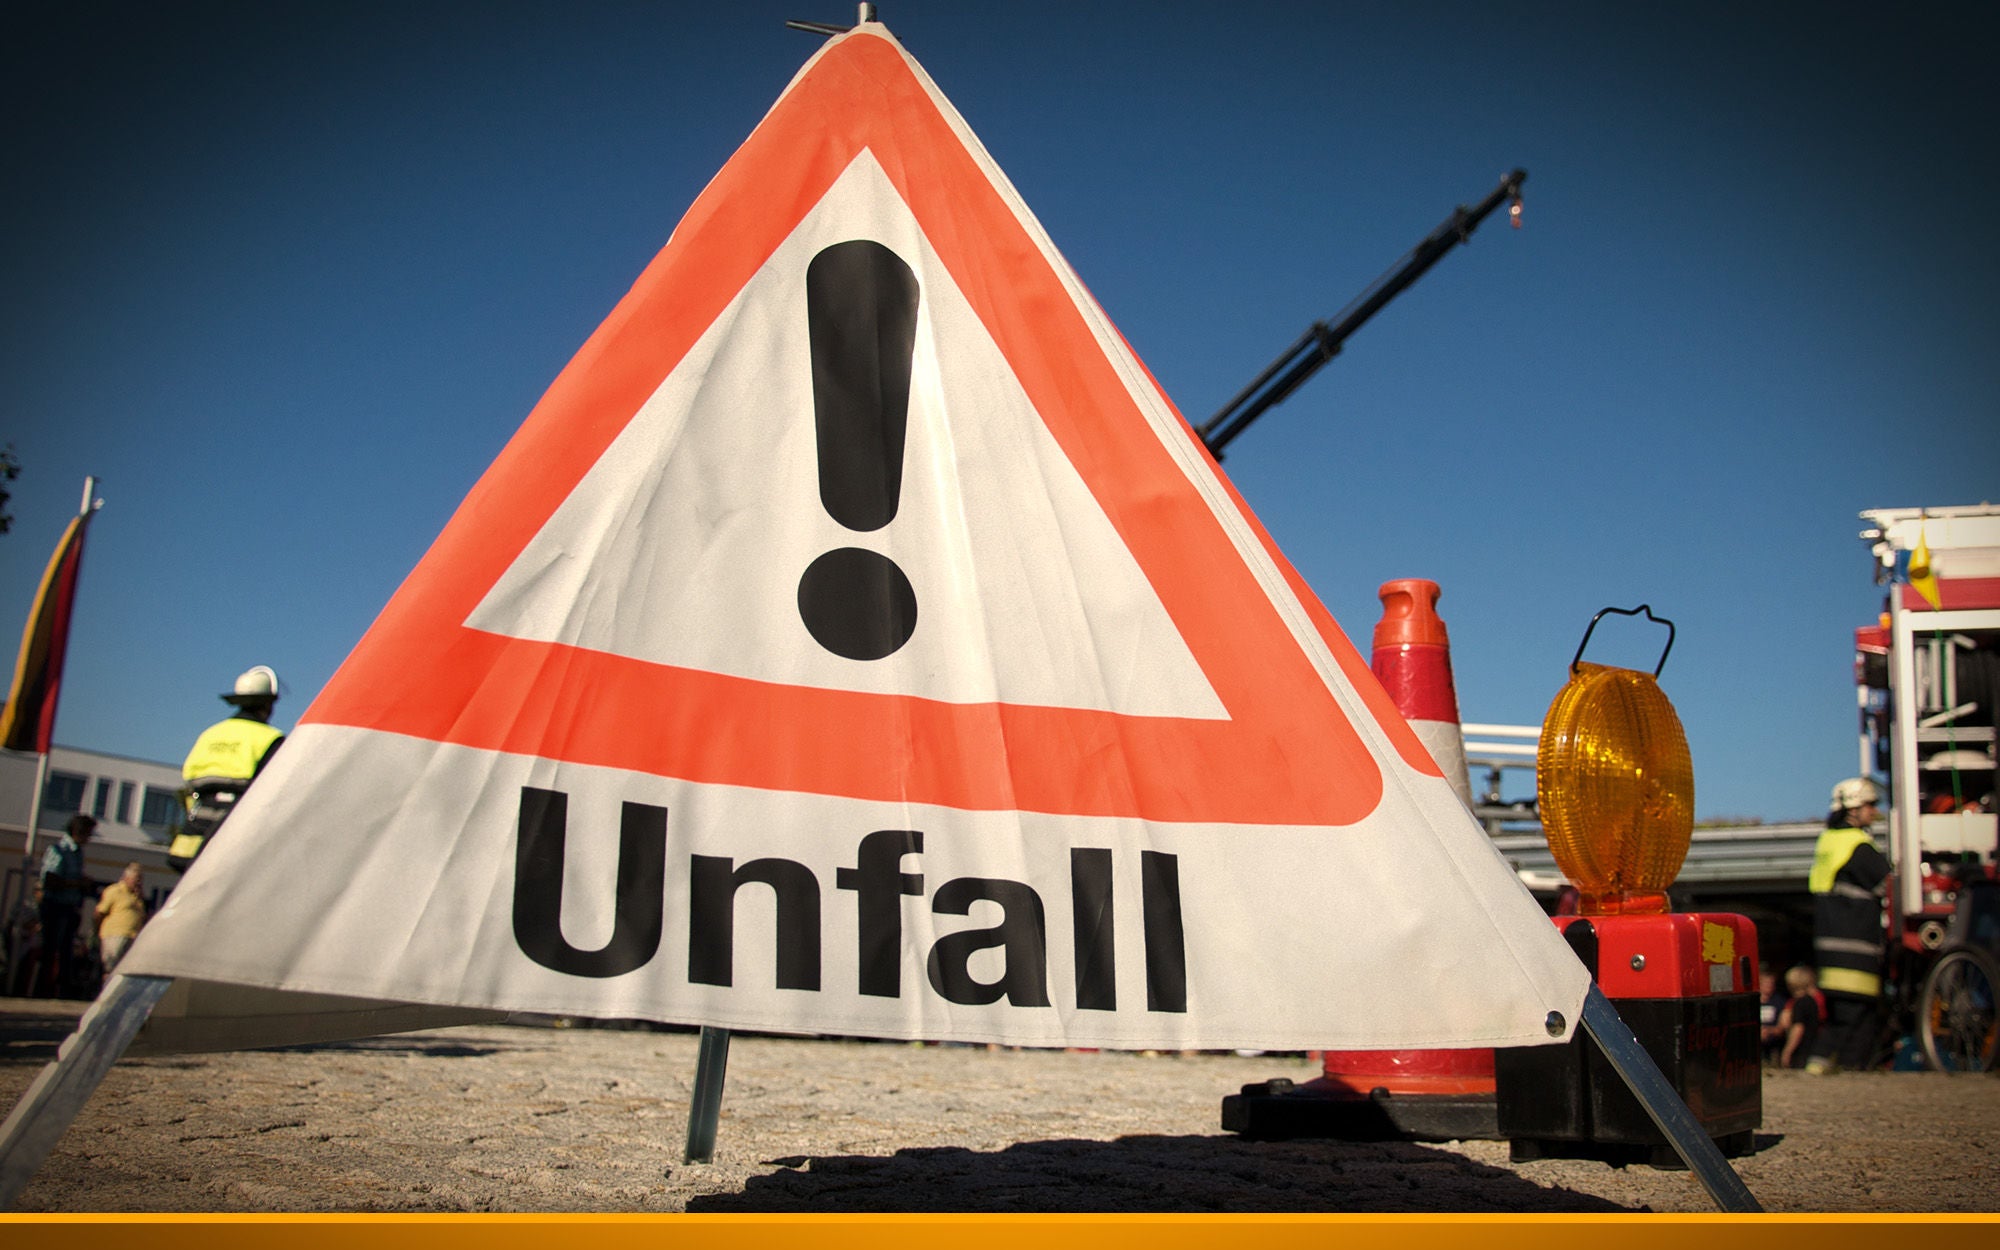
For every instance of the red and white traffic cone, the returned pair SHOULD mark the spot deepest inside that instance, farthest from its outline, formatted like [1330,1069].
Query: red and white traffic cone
[1413,662]
[1434,1095]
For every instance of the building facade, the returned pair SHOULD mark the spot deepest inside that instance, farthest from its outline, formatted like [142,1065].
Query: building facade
[136,802]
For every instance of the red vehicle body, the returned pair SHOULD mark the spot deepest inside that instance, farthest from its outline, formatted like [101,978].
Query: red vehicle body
[1927,677]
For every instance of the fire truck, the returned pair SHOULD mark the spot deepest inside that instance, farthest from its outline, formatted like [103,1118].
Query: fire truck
[1927,678]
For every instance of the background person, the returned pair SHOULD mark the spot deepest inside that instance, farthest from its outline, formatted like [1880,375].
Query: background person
[1801,1017]
[1848,874]
[24,943]
[1771,1000]
[63,886]
[224,760]
[121,911]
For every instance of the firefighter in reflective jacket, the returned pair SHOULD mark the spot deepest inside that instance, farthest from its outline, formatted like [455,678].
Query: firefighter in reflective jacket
[225,759]
[1848,876]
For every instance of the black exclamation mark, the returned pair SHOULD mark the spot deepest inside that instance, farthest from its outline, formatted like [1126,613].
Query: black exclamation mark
[861,308]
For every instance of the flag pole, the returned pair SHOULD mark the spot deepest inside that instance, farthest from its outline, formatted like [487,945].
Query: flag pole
[91,503]
[16,958]
[34,816]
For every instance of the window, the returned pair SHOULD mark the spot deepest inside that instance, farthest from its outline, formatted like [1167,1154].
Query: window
[62,798]
[100,806]
[161,809]
[125,791]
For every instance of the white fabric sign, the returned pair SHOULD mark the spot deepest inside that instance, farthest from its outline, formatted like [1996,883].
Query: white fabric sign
[854,640]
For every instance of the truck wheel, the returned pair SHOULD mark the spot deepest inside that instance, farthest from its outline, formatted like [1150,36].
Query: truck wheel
[1956,1013]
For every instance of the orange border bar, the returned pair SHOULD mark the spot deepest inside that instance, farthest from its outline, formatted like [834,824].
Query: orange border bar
[1008,1232]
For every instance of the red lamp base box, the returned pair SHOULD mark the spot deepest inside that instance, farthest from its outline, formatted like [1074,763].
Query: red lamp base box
[1686,985]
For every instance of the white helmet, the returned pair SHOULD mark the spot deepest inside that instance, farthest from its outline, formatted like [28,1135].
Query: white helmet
[1855,792]
[260,682]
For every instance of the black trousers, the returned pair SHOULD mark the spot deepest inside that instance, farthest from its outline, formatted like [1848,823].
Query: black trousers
[1847,1035]
[59,926]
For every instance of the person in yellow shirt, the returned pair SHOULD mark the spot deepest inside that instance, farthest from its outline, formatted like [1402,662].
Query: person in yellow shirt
[224,760]
[121,911]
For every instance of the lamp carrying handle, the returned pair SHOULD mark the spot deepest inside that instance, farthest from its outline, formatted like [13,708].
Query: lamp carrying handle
[1647,608]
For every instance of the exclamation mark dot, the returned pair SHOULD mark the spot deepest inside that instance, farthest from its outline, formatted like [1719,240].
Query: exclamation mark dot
[861,309]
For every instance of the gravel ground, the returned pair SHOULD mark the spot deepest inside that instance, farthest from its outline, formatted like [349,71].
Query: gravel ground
[526,1118]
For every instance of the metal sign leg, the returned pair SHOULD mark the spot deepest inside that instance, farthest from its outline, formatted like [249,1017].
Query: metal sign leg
[711,1063]
[48,1106]
[1669,1113]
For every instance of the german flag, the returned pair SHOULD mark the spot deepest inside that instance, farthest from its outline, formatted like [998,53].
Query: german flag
[28,721]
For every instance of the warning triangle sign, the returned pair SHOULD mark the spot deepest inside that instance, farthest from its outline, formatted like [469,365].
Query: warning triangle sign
[987,523]
[855,639]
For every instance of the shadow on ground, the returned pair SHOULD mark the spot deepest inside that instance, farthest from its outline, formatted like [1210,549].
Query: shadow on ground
[397,1044]
[1149,1174]
[31,1031]
[29,1035]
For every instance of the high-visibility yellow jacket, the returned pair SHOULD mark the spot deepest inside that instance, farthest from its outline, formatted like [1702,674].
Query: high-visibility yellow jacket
[231,750]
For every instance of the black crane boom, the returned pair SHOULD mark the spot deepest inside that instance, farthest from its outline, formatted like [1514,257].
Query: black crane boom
[1322,341]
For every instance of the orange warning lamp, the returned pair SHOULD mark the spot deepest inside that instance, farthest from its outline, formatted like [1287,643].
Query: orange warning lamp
[1614,783]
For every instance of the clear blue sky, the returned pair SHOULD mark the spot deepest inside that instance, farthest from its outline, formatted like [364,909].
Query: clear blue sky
[286,278]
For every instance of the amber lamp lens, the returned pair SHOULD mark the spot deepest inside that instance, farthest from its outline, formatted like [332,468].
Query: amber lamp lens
[1616,789]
